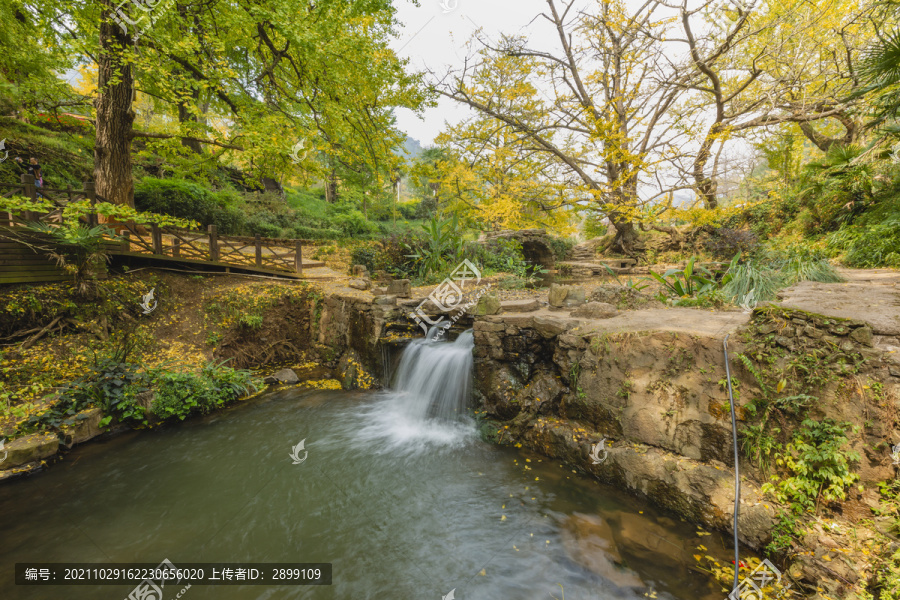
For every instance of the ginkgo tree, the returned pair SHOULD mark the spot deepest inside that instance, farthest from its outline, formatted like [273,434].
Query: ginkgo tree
[497,177]
[249,79]
[604,121]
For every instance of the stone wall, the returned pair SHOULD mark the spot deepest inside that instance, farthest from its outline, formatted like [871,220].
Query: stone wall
[659,400]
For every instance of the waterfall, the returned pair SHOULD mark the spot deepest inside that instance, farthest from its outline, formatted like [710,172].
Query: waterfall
[434,378]
[425,407]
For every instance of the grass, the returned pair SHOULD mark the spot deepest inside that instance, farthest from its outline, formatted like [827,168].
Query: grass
[752,282]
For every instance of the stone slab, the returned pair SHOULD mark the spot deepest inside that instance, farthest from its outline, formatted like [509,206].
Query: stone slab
[519,306]
[870,295]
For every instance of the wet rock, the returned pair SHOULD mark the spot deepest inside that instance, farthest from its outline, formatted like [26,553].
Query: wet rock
[286,376]
[588,541]
[500,390]
[488,304]
[30,448]
[595,310]
[519,306]
[400,288]
[644,539]
[269,380]
[359,284]
[542,394]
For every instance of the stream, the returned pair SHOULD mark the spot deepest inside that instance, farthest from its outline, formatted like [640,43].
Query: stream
[397,491]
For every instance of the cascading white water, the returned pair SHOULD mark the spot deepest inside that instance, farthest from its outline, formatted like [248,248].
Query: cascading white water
[425,407]
[434,379]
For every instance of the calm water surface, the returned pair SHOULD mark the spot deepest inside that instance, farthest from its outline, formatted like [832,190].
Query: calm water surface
[404,508]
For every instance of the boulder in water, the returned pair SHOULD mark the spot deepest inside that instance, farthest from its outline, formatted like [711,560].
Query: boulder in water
[286,376]
[588,540]
[30,448]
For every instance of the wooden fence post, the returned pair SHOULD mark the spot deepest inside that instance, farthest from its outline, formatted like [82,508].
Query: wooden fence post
[156,236]
[30,191]
[213,244]
[91,194]
[126,241]
[176,247]
[258,247]
[298,258]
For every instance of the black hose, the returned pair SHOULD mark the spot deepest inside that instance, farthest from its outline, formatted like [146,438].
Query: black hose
[737,476]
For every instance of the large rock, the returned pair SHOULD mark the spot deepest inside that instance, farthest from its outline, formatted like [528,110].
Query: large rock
[400,288]
[595,310]
[29,448]
[359,284]
[487,305]
[558,294]
[360,271]
[86,426]
[550,327]
[286,376]
[520,306]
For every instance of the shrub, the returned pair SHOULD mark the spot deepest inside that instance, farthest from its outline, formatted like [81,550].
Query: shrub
[179,394]
[560,246]
[726,242]
[187,200]
[353,223]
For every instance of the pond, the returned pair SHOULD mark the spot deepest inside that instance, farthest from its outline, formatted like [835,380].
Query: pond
[404,506]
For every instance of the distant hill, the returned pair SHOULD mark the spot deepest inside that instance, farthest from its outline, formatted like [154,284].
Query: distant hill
[412,148]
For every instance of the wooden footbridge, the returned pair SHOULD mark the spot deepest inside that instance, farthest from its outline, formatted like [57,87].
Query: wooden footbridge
[24,254]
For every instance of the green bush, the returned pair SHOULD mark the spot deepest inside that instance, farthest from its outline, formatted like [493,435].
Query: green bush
[874,239]
[179,394]
[560,246]
[353,223]
[188,200]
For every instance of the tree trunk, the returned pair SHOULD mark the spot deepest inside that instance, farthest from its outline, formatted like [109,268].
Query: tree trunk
[706,186]
[185,116]
[626,236]
[331,187]
[825,143]
[115,116]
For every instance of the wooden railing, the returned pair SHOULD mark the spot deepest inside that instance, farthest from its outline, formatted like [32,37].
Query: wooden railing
[209,246]
[285,255]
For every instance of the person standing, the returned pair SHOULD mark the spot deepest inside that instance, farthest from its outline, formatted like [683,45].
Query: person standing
[33,168]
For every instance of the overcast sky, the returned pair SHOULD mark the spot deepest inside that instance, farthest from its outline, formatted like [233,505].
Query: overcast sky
[435,34]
